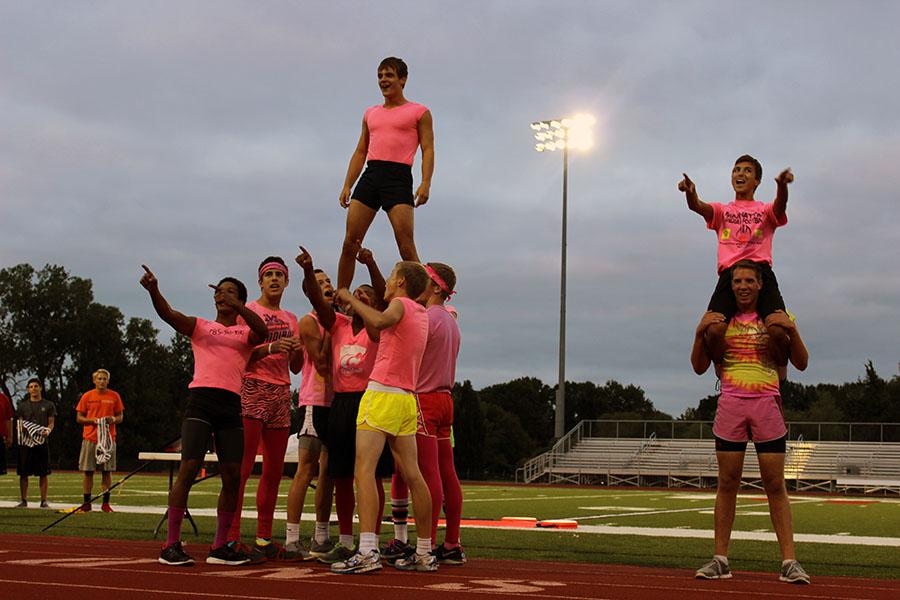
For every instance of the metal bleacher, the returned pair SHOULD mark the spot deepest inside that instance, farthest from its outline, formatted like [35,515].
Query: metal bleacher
[651,460]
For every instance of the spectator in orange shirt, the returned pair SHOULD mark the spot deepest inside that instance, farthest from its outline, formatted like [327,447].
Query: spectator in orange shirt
[99,410]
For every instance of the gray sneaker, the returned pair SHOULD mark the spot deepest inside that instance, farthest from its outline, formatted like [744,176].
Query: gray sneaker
[317,549]
[337,554]
[22,504]
[295,550]
[417,562]
[714,569]
[358,563]
[793,573]
[45,504]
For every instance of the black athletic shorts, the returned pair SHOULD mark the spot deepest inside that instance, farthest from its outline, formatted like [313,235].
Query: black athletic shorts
[342,439]
[770,300]
[384,185]
[214,411]
[777,446]
[2,456]
[34,461]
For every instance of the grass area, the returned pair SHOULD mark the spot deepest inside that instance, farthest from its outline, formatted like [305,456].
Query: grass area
[592,506]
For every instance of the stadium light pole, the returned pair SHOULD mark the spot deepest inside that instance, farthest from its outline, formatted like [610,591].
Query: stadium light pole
[563,134]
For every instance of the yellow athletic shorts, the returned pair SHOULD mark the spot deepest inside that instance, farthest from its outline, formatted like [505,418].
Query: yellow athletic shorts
[392,413]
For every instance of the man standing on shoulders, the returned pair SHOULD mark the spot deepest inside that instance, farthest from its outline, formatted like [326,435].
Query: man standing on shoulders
[99,410]
[36,419]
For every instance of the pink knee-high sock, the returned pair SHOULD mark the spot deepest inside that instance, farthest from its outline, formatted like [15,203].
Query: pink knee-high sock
[345,502]
[452,492]
[274,444]
[252,431]
[380,486]
[427,449]
[223,523]
[175,517]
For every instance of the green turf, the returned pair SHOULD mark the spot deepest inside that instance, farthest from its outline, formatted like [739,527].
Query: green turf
[812,514]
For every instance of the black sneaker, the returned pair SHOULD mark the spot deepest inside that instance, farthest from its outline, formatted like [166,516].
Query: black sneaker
[175,556]
[395,549]
[22,504]
[450,556]
[227,554]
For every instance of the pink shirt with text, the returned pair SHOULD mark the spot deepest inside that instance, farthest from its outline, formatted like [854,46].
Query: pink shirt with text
[401,348]
[394,132]
[352,355]
[745,229]
[273,368]
[220,355]
[315,390]
[438,371]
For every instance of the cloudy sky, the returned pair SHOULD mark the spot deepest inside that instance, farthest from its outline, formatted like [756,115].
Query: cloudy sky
[199,137]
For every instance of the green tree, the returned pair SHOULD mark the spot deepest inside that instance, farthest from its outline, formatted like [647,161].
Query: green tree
[468,431]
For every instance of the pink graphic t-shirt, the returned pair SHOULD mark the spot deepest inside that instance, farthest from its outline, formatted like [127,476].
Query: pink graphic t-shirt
[394,132]
[747,369]
[220,355]
[438,370]
[352,355]
[273,368]
[401,348]
[315,390]
[745,229]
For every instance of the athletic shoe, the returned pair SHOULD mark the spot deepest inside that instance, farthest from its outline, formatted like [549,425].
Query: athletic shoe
[256,558]
[22,504]
[296,549]
[358,563]
[714,569]
[175,556]
[75,509]
[450,556]
[338,554]
[106,508]
[45,504]
[275,551]
[395,549]
[417,562]
[793,573]
[227,554]
[318,550]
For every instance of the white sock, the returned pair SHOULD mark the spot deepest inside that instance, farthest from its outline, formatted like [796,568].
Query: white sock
[346,541]
[321,532]
[423,545]
[721,559]
[367,542]
[401,532]
[292,533]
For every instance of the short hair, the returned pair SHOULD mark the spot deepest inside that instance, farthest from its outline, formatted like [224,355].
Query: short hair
[242,289]
[35,380]
[446,273]
[748,264]
[271,259]
[397,64]
[319,271]
[104,371]
[414,276]
[754,162]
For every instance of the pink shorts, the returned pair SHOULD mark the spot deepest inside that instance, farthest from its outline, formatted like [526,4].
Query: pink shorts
[760,419]
[435,414]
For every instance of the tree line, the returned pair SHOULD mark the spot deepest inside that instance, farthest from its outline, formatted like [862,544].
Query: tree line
[52,328]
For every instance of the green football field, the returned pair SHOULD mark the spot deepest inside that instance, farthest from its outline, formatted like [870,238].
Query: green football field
[836,535]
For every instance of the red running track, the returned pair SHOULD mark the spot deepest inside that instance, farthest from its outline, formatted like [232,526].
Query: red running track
[35,567]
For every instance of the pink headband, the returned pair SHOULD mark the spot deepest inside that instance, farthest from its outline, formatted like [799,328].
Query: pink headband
[274,266]
[438,280]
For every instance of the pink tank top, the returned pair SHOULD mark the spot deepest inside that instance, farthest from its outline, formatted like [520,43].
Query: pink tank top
[745,229]
[438,371]
[220,355]
[352,355]
[394,132]
[273,368]
[315,390]
[401,348]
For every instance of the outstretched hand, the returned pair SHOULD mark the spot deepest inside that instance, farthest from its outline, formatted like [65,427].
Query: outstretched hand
[365,256]
[785,177]
[686,185]
[226,298]
[148,279]
[304,259]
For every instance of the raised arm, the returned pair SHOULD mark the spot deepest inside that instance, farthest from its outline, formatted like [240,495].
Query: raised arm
[314,344]
[357,162]
[700,359]
[366,257]
[180,322]
[323,308]
[372,316]
[426,140]
[693,200]
[779,207]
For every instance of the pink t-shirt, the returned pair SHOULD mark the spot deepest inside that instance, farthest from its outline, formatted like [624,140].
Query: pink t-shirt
[315,390]
[394,132]
[401,348]
[745,229]
[438,371]
[747,369]
[220,355]
[273,368]
[352,355]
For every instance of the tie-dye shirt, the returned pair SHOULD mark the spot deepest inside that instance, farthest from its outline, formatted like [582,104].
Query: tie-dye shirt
[747,369]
